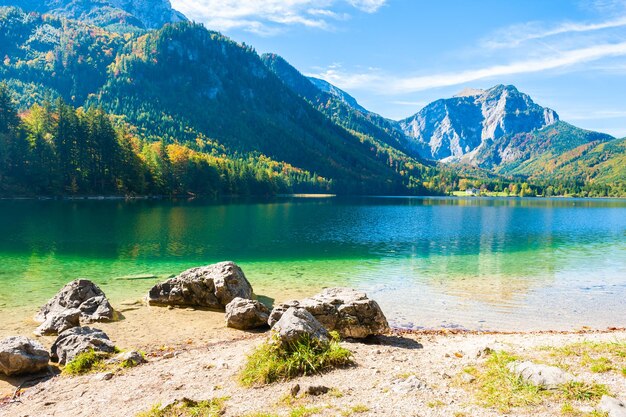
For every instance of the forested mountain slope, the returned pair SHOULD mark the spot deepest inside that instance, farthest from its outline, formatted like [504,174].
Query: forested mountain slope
[185,84]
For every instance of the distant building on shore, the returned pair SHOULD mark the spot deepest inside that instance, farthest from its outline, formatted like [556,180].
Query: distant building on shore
[472,191]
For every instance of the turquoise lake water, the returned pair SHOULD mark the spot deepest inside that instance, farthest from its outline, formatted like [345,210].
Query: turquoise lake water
[477,263]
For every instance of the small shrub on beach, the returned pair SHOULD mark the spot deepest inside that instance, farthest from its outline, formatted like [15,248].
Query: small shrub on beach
[272,361]
[83,363]
[188,408]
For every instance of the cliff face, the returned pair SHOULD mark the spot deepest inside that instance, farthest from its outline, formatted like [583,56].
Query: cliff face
[450,129]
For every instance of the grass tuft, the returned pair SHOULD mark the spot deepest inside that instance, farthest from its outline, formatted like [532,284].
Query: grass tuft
[261,414]
[598,357]
[583,391]
[357,409]
[500,388]
[567,409]
[188,408]
[271,362]
[304,411]
[601,365]
[86,362]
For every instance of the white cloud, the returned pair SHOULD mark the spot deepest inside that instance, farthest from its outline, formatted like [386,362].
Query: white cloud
[375,81]
[514,36]
[369,6]
[268,17]
[595,114]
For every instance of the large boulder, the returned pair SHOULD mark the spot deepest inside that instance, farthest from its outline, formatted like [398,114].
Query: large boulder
[79,340]
[542,376]
[349,312]
[212,286]
[60,322]
[20,355]
[80,294]
[298,324]
[244,314]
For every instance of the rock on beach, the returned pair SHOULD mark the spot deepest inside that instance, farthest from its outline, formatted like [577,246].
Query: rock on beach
[350,312]
[212,286]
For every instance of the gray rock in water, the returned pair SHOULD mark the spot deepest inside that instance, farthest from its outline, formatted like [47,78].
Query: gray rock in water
[20,355]
[298,324]
[79,340]
[543,376]
[613,406]
[60,322]
[79,294]
[244,314]
[349,312]
[212,286]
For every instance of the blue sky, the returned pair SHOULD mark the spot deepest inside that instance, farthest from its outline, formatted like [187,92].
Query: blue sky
[395,56]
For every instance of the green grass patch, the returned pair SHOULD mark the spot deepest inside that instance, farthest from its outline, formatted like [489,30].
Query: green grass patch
[598,357]
[188,408]
[86,362]
[93,361]
[498,387]
[601,365]
[568,410]
[304,411]
[583,391]
[271,361]
[357,409]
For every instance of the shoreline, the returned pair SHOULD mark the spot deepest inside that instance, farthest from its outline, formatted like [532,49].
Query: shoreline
[291,195]
[399,374]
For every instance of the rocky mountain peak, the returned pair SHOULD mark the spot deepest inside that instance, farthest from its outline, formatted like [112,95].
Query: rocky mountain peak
[470,92]
[450,129]
[142,14]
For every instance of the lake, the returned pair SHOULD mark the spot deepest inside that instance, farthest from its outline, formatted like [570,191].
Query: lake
[476,263]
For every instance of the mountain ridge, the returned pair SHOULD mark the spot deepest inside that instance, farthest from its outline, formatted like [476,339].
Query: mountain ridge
[186,85]
[118,15]
[450,129]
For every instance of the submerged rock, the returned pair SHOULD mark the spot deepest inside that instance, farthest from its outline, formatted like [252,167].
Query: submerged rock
[212,286]
[77,340]
[298,324]
[246,314]
[543,376]
[80,294]
[349,312]
[59,322]
[20,355]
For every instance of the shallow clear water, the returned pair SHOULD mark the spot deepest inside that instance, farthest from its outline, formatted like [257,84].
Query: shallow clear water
[430,262]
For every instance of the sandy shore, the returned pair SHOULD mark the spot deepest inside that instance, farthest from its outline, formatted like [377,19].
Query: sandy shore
[395,375]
